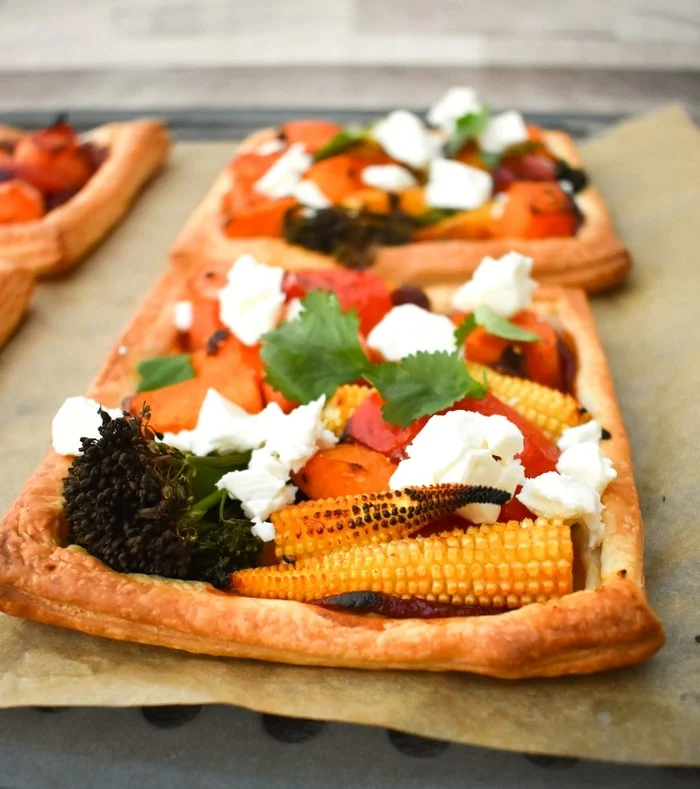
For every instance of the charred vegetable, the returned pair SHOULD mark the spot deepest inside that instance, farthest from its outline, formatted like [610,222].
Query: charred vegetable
[141,506]
[352,236]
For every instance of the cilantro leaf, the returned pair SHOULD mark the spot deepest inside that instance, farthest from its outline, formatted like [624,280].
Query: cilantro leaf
[465,328]
[501,327]
[344,139]
[422,384]
[466,128]
[315,353]
[163,371]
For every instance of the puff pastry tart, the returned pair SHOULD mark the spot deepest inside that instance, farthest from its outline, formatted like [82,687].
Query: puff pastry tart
[421,204]
[307,467]
[60,193]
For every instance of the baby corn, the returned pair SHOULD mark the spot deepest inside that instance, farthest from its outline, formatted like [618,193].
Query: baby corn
[551,410]
[499,565]
[342,405]
[325,525]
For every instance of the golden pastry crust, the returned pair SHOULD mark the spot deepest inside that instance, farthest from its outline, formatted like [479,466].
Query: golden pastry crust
[16,287]
[595,259]
[605,625]
[57,241]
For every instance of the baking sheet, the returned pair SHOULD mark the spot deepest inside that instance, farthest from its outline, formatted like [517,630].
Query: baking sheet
[649,172]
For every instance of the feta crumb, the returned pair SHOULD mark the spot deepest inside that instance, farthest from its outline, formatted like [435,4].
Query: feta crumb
[407,329]
[263,530]
[275,145]
[301,435]
[223,426]
[586,463]
[504,284]
[76,419]
[502,131]
[259,491]
[182,317]
[464,447]
[453,105]
[499,204]
[588,431]
[122,350]
[284,174]
[251,303]
[294,309]
[404,137]
[553,495]
[456,185]
[309,194]
[391,177]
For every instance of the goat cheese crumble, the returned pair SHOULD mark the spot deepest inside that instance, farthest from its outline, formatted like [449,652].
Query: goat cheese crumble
[464,447]
[76,419]
[283,176]
[453,184]
[502,131]
[390,177]
[407,329]
[453,105]
[504,284]
[250,304]
[182,315]
[404,137]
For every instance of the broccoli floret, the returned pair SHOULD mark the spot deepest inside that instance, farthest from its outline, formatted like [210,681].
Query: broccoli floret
[129,502]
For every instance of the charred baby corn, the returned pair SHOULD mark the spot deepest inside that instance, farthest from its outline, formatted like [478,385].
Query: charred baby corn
[498,565]
[342,405]
[325,525]
[551,410]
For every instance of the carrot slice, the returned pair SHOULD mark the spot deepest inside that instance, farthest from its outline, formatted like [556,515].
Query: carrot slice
[264,220]
[466,224]
[542,361]
[343,470]
[535,210]
[338,176]
[20,202]
[313,133]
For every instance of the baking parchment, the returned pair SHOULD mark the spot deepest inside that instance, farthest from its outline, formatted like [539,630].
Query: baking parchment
[649,172]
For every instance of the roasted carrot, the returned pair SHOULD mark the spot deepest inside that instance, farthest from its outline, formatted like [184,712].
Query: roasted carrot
[19,202]
[474,224]
[343,470]
[264,219]
[484,348]
[369,198]
[271,395]
[235,366]
[175,407]
[313,133]
[535,210]
[542,361]
[338,176]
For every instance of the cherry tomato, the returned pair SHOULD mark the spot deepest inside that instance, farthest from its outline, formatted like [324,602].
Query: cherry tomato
[359,289]
[367,426]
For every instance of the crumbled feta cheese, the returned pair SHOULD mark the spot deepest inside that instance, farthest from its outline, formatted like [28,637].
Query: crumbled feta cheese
[588,431]
[223,426]
[182,317]
[294,309]
[309,194]
[453,105]
[275,145]
[251,303]
[284,174]
[407,329]
[263,530]
[391,177]
[554,495]
[499,205]
[464,447]
[504,284]
[502,131]
[301,435]
[586,463]
[122,350]
[76,419]
[259,491]
[456,185]
[404,137]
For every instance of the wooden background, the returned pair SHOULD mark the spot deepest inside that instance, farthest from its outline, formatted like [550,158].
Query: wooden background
[598,55]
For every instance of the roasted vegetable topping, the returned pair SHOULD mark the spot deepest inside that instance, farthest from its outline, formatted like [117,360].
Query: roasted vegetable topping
[325,525]
[129,502]
[500,565]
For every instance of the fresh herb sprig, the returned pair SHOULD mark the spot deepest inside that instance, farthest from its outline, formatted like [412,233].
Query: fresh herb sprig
[320,350]
[495,325]
[162,371]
